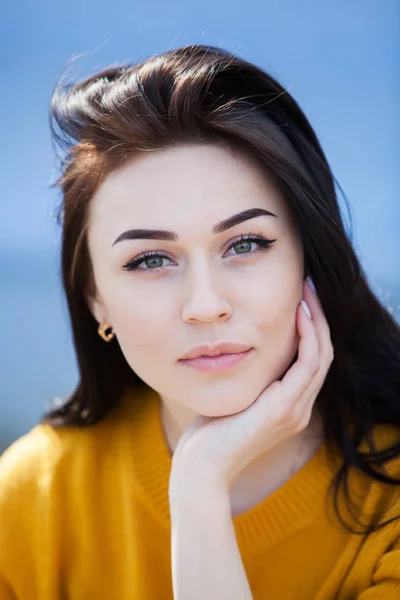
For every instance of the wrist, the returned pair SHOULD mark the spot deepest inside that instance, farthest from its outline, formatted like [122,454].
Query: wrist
[197,488]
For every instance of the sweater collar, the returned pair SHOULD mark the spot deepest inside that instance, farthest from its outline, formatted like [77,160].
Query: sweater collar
[289,509]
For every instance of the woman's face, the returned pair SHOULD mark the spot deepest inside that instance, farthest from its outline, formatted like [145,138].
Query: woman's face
[204,286]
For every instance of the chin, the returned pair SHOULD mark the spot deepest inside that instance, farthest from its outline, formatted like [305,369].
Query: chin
[225,399]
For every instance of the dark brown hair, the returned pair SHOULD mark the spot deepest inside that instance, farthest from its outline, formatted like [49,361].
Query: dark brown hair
[201,94]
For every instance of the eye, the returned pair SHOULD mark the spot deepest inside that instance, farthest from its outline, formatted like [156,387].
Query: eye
[244,242]
[153,260]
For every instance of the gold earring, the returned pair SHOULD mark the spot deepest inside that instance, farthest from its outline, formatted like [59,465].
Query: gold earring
[107,337]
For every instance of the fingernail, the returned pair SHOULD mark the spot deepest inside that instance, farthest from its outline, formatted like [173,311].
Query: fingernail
[311,282]
[307,310]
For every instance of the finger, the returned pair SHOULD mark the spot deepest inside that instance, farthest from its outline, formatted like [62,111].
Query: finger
[321,325]
[325,348]
[324,343]
[293,394]
[299,377]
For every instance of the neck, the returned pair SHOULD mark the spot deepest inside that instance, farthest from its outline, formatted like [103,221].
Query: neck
[262,477]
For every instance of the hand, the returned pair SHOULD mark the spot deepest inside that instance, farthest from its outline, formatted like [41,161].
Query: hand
[224,446]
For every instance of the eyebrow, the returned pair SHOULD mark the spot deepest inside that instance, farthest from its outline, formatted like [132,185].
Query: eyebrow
[172,236]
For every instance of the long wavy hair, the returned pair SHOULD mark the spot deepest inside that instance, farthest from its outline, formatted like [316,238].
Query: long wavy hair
[203,94]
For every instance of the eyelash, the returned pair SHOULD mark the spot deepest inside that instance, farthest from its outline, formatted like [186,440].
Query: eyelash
[258,238]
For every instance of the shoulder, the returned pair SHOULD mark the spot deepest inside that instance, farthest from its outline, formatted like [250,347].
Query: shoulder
[387,441]
[42,474]
[31,459]
[31,481]
[380,496]
[50,479]
[48,455]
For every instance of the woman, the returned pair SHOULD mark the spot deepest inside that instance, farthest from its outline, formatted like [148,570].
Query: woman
[234,433]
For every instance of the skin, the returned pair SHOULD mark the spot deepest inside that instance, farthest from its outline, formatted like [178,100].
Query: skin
[205,556]
[203,292]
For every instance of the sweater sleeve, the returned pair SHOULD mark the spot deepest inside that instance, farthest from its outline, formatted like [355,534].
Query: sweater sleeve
[386,578]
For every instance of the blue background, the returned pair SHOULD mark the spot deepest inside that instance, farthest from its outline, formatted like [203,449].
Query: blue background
[338,59]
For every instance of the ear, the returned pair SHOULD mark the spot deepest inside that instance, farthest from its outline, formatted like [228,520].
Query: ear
[97,308]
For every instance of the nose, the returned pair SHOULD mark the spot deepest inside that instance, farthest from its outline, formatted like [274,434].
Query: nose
[206,301]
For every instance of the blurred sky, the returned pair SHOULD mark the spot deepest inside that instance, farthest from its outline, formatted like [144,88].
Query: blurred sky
[340,60]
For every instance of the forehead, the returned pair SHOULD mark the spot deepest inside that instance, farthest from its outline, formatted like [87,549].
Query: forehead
[182,186]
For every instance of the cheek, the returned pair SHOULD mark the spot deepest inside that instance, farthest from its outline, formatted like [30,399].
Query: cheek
[274,303]
[142,326]
[145,332]
[274,312]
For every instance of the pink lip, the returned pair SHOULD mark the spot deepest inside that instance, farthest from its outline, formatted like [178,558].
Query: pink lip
[215,364]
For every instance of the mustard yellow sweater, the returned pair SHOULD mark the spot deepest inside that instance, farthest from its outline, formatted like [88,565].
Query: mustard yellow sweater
[84,515]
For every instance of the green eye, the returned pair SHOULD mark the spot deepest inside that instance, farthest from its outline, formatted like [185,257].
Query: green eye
[153,260]
[245,243]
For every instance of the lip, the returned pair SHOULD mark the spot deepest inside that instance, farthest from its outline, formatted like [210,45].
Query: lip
[216,364]
[204,350]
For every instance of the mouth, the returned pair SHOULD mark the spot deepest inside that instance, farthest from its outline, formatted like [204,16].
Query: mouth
[216,364]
